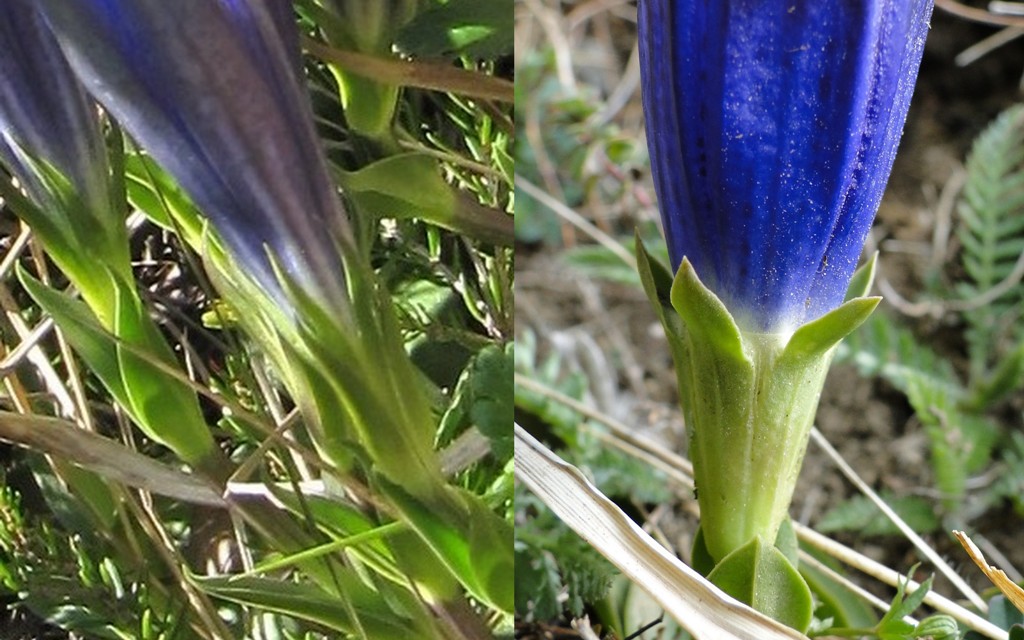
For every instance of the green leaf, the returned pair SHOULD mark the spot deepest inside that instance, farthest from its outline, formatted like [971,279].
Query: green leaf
[491,390]
[162,405]
[92,489]
[407,185]
[96,346]
[911,602]
[373,619]
[700,557]
[863,278]
[82,619]
[75,230]
[151,190]
[836,601]
[181,429]
[659,287]
[537,584]
[657,282]
[961,444]
[892,626]
[461,27]
[991,231]
[369,105]
[47,226]
[553,562]
[1003,614]
[473,542]
[999,384]
[860,514]
[761,576]
[341,520]
[787,543]
[68,510]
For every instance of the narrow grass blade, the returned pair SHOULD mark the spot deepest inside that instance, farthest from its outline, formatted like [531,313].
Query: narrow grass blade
[308,602]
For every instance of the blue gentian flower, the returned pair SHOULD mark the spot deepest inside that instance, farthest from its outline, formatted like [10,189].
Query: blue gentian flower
[46,116]
[772,128]
[212,90]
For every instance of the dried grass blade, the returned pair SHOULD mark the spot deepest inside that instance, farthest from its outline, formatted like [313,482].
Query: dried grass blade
[109,459]
[1009,588]
[699,607]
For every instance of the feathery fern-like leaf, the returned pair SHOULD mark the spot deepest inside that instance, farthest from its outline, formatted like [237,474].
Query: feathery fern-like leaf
[880,347]
[991,232]
[960,441]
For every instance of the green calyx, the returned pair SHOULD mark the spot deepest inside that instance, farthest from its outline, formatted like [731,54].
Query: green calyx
[749,401]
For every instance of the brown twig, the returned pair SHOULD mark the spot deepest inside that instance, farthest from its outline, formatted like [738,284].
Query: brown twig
[978,15]
[423,75]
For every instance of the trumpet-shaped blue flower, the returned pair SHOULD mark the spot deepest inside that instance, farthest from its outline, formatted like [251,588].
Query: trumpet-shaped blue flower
[211,89]
[45,114]
[772,128]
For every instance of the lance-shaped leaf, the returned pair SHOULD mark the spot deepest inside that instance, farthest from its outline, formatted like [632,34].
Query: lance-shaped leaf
[772,129]
[211,90]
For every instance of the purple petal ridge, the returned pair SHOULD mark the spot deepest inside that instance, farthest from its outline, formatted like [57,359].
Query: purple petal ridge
[772,130]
